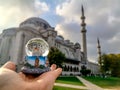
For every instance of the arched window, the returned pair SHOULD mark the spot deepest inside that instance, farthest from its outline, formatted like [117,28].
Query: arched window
[65,68]
[74,69]
[71,68]
[68,68]
[77,69]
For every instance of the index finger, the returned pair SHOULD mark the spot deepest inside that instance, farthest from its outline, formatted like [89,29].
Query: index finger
[9,65]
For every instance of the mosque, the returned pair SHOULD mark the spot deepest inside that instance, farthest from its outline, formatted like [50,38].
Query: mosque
[13,41]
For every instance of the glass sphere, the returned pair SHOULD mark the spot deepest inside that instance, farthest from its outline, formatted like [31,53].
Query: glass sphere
[36,61]
[37,47]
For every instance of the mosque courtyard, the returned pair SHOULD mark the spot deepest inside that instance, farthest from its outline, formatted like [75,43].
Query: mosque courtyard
[87,83]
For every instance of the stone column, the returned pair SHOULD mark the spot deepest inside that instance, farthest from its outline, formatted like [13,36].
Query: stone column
[18,47]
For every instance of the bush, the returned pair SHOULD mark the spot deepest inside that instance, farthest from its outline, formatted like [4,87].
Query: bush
[84,71]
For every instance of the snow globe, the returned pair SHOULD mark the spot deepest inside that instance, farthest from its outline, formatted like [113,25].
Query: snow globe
[36,61]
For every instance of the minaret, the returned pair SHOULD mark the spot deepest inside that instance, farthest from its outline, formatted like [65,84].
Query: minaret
[83,31]
[99,50]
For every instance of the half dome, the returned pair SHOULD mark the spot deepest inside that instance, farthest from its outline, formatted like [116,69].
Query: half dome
[77,46]
[59,37]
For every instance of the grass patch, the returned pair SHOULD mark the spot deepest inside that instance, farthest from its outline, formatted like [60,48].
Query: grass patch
[64,88]
[69,80]
[109,82]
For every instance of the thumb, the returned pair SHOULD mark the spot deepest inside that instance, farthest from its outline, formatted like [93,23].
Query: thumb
[9,65]
[57,72]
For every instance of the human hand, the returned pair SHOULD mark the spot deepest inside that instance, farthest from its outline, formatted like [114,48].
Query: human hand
[10,80]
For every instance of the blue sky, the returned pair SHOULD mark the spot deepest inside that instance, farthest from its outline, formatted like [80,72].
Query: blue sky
[51,16]
[31,60]
[102,19]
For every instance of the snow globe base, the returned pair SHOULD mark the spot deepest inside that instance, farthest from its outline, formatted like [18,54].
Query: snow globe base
[34,71]
[35,65]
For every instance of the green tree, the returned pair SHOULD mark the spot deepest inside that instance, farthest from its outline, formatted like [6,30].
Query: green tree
[105,63]
[111,64]
[55,56]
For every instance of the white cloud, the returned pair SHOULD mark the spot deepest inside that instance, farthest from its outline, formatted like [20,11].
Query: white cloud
[102,18]
[41,6]
[70,10]
[69,30]
[13,12]
[12,17]
[59,28]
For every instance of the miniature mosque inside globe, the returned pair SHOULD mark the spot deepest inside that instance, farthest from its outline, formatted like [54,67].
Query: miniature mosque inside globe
[36,61]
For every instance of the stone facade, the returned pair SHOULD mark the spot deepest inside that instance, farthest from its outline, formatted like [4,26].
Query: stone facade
[13,40]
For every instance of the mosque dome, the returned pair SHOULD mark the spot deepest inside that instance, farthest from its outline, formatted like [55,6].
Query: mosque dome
[77,46]
[59,37]
[36,23]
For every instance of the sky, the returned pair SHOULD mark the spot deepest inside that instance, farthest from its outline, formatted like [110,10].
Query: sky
[31,60]
[102,19]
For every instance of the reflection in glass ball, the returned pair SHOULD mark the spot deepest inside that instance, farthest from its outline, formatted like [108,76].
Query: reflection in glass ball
[37,47]
[36,61]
